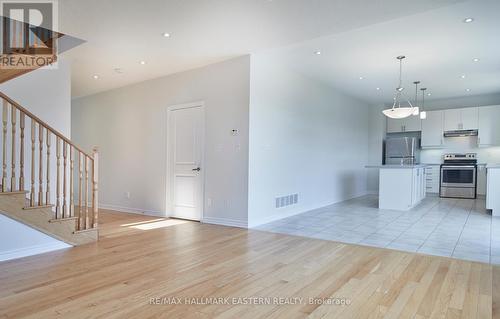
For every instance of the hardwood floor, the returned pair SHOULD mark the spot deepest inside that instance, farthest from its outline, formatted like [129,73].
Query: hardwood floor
[139,258]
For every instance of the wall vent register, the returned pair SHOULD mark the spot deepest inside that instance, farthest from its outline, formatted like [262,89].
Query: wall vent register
[286,200]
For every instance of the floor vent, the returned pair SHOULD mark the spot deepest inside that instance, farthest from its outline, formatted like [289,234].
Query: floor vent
[287,200]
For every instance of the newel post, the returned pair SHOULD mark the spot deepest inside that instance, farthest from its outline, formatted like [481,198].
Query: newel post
[95,184]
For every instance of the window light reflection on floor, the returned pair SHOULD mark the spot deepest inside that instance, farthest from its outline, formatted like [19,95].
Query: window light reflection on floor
[156,223]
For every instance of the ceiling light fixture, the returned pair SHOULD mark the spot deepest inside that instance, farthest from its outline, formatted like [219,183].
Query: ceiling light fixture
[463,76]
[468,20]
[142,62]
[416,109]
[361,78]
[95,77]
[378,89]
[475,60]
[429,94]
[423,114]
[317,52]
[166,35]
[468,90]
[398,112]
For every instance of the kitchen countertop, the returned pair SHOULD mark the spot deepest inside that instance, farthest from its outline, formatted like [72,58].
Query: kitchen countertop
[438,164]
[394,166]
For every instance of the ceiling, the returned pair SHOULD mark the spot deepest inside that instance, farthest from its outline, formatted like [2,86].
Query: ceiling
[121,33]
[439,49]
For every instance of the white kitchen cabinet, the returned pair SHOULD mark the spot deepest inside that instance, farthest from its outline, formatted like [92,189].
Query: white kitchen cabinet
[394,125]
[432,176]
[492,189]
[409,124]
[418,186]
[452,119]
[461,119]
[432,130]
[412,124]
[470,117]
[401,187]
[488,125]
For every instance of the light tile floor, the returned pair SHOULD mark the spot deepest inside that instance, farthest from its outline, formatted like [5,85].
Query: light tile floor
[458,228]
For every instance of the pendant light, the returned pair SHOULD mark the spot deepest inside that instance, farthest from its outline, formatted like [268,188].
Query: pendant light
[417,110]
[398,112]
[423,114]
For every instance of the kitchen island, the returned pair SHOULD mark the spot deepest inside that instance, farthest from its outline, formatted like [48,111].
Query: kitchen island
[401,187]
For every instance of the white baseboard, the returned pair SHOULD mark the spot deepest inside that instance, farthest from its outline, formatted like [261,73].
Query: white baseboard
[225,222]
[131,210]
[31,250]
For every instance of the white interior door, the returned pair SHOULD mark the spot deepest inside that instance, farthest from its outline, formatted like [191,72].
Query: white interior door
[185,157]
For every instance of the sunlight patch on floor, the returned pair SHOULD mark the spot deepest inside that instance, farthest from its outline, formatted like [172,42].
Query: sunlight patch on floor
[142,222]
[158,224]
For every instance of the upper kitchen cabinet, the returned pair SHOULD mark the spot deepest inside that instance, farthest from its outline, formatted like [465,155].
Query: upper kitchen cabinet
[409,124]
[470,118]
[432,130]
[461,119]
[489,128]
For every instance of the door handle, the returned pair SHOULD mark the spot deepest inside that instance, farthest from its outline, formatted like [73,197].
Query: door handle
[196,169]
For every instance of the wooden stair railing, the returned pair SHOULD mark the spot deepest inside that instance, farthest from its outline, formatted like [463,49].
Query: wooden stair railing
[48,145]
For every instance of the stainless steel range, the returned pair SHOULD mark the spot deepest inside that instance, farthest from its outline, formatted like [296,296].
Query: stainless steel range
[459,176]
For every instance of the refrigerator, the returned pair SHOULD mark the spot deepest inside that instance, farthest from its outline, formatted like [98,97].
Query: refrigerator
[402,151]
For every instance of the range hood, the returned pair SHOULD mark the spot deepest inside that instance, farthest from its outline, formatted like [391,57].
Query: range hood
[460,133]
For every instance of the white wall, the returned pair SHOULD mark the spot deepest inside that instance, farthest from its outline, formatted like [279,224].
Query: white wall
[28,241]
[305,138]
[129,126]
[46,93]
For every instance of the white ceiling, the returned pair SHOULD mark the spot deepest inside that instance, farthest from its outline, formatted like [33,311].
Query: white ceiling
[121,33]
[439,47]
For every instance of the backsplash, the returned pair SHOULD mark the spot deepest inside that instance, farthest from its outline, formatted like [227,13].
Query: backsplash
[489,155]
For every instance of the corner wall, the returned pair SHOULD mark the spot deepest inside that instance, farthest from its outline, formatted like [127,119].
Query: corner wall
[129,126]
[305,138]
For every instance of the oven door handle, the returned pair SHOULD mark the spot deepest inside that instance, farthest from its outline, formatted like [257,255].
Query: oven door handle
[454,167]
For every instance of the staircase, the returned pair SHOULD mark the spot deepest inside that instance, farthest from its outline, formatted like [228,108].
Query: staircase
[47,182]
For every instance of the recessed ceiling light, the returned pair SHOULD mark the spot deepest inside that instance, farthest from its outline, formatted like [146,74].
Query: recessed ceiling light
[475,60]
[317,52]
[361,78]
[468,20]
[429,94]
[378,89]
[166,35]
[95,77]
[142,62]
[463,76]
[468,90]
